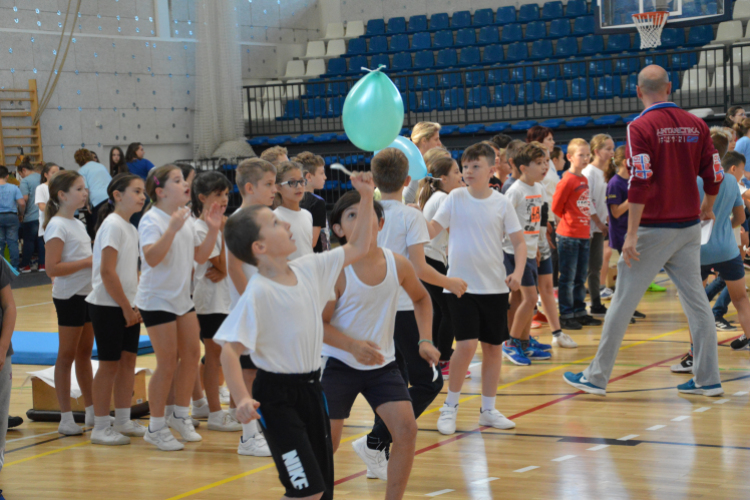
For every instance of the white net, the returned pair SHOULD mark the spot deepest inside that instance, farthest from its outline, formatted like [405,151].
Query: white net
[650,26]
[218,85]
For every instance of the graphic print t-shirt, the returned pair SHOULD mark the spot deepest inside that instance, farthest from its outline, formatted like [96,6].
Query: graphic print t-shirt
[527,202]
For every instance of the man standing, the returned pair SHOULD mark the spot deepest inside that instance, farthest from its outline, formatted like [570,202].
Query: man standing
[667,149]
[30,225]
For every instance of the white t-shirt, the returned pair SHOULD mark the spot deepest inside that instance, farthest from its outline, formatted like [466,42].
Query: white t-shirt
[209,297]
[41,195]
[120,234]
[437,248]
[76,246]
[550,181]
[527,202]
[166,287]
[365,312]
[281,326]
[475,247]
[302,229]
[597,194]
[404,227]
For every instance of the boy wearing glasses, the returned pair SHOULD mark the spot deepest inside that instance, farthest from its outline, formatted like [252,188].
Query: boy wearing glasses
[291,190]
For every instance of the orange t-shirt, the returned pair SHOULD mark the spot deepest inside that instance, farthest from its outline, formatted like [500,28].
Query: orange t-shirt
[571,203]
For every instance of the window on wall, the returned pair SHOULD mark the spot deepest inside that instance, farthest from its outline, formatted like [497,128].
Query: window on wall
[182,18]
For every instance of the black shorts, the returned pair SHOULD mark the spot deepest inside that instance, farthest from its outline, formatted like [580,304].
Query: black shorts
[545,266]
[480,317]
[530,272]
[112,337]
[73,311]
[295,423]
[210,324]
[342,384]
[247,363]
[156,318]
[729,270]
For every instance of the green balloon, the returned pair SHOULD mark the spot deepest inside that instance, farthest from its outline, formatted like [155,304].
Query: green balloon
[373,112]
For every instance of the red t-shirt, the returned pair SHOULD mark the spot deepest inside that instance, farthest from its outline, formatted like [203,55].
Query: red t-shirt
[571,203]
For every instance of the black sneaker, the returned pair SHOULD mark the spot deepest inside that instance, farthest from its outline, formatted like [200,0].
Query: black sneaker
[588,321]
[722,324]
[684,366]
[598,311]
[14,422]
[632,321]
[639,315]
[740,344]
[570,324]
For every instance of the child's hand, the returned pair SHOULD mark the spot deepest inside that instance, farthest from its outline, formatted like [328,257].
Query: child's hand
[457,286]
[363,183]
[89,261]
[178,219]
[131,317]
[246,410]
[514,281]
[429,353]
[367,353]
[215,275]
[215,216]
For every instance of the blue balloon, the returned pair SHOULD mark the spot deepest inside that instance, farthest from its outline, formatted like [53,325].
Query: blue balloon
[417,167]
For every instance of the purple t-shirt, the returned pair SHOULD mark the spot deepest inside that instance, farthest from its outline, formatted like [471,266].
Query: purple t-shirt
[617,193]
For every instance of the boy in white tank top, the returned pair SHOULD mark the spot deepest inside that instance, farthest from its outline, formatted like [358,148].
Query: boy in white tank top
[358,341]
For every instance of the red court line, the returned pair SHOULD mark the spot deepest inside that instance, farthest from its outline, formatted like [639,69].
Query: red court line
[526,412]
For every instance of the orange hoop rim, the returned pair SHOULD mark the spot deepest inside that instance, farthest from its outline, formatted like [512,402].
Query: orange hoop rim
[657,16]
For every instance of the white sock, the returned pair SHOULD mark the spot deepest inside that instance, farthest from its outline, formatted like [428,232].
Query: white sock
[90,415]
[216,415]
[488,403]
[200,403]
[122,416]
[67,417]
[157,423]
[101,423]
[452,398]
[249,430]
[233,412]
[181,411]
[168,411]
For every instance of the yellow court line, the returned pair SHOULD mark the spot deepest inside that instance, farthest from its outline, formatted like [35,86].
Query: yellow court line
[47,453]
[223,481]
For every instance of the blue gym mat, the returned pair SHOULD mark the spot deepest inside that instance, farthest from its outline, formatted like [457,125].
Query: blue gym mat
[40,348]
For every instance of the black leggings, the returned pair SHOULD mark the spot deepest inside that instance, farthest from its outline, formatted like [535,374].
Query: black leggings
[442,333]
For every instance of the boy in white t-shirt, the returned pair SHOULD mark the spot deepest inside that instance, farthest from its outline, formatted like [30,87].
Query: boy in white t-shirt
[479,218]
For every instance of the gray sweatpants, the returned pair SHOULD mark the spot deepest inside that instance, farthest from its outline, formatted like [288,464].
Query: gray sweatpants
[678,252]
[6,382]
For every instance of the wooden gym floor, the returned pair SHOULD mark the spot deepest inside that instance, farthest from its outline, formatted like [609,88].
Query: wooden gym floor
[643,441]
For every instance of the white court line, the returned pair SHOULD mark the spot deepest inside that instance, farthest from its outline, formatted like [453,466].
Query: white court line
[628,437]
[721,401]
[436,493]
[741,393]
[656,427]
[485,480]
[563,458]
[680,418]
[34,305]
[701,410]
[527,469]
[598,447]
[31,437]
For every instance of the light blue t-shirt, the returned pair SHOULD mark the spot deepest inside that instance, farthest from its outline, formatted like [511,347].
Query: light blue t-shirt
[9,193]
[28,188]
[722,246]
[743,147]
[97,180]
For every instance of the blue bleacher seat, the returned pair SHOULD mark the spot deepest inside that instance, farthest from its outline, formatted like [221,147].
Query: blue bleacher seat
[674,77]
[548,71]
[410,101]
[334,88]
[503,95]
[493,54]
[325,137]
[596,66]
[429,101]
[446,58]
[396,25]
[357,46]
[293,109]
[552,10]
[559,28]
[699,35]
[473,128]
[553,122]
[424,59]
[399,43]
[449,80]
[497,128]
[630,118]
[592,44]
[466,36]
[682,60]
[424,82]
[448,130]
[608,87]
[488,35]
[474,77]
[541,49]
[630,86]
[302,139]
[581,121]
[405,132]
[619,42]
[342,137]
[378,44]
[454,99]
[672,37]
[528,12]
[461,19]
[626,65]
[401,61]
[520,74]
[712,9]
[506,15]
[583,25]
[417,23]
[579,89]
[439,21]
[483,17]
[512,33]
[576,8]
[443,39]
[608,120]
[331,185]
[315,87]
[498,76]
[658,59]
[535,30]
[421,41]
[529,93]
[356,64]
[279,139]
[469,56]
[375,27]
[316,108]
[573,68]
[401,82]
[517,52]
[379,59]
[567,47]
[524,125]
[258,141]
[337,66]
[556,90]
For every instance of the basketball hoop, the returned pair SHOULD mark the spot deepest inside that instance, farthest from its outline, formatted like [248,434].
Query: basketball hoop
[650,26]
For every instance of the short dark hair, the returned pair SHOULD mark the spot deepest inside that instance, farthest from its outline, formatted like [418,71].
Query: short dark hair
[241,231]
[556,153]
[501,140]
[251,171]
[476,151]
[390,168]
[3,172]
[732,159]
[537,133]
[528,154]
[204,184]
[721,143]
[349,199]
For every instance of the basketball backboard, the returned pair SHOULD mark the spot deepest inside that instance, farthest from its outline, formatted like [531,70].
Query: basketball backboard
[616,16]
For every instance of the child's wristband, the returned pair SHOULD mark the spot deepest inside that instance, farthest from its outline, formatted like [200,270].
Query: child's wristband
[425,340]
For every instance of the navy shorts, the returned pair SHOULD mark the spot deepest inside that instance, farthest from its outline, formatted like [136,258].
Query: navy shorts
[545,267]
[729,270]
[530,273]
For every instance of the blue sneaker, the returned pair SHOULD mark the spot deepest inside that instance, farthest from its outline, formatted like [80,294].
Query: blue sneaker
[512,352]
[689,387]
[534,353]
[578,381]
[533,342]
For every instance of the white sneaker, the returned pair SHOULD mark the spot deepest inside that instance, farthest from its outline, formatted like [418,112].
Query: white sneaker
[108,436]
[446,423]
[196,423]
[185,427]
[223,395]
[494,418]
[254,447]
[564,340]
[376,461]
[200,411]
[225,423]
[131,428]
[87,423]
[163,439]
[69,429]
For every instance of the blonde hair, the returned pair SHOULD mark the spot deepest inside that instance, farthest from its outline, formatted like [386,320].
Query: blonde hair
[742,128]
[274,154]
[310,162]
[439,167]
[577,143]
[434,154]
[618,160]
[424,130]
[598,142]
